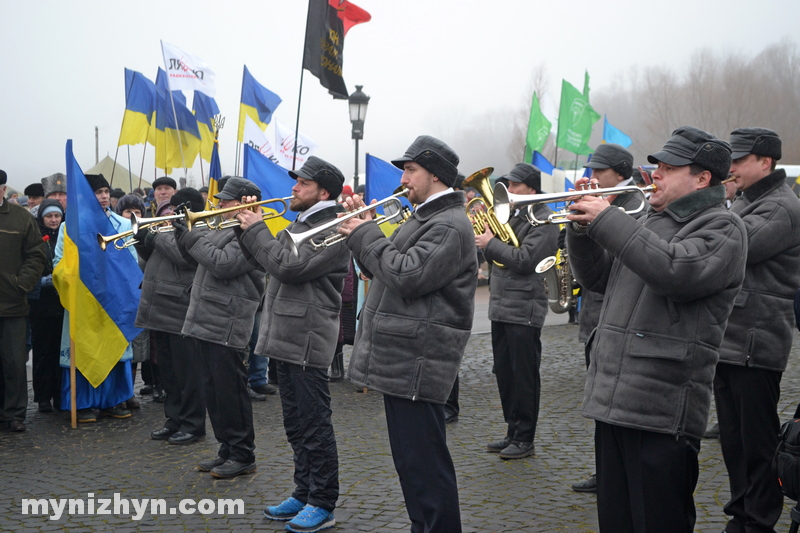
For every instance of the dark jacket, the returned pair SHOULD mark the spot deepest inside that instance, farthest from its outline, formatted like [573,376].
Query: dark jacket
[168,278]
[669,286]
[517,293]
[592,302]
[300,322]
[760,327]
[417,316]
[23,259]
[226,290]
[44,299]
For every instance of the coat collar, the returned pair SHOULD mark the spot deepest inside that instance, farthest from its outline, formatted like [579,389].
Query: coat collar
[321,215]
[688,206]
[765,184]
[425,212]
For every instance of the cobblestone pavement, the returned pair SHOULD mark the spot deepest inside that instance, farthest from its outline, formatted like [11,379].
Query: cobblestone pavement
[51,460]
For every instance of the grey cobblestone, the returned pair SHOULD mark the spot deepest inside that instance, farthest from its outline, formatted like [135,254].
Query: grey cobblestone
[51,460]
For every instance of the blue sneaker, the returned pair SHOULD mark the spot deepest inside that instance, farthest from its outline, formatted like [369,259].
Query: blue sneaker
[311,519]
[285,511]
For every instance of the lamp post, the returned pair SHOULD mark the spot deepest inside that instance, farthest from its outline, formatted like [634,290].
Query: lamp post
[358,112]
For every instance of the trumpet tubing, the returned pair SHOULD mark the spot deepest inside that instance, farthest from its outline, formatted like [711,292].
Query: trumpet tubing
[329,228]
[193,218]
[506,203]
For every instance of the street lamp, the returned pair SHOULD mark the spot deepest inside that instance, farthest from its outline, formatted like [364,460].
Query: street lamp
[358,112]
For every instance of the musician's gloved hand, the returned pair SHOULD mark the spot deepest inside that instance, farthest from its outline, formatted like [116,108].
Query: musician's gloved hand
[47,281]
[180,228]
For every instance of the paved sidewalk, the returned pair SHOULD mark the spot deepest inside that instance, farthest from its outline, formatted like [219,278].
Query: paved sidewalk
[51,460]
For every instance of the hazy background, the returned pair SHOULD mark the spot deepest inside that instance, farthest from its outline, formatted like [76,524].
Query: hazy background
[462,70]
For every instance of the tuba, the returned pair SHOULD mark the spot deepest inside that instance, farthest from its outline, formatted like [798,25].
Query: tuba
[557,280]
[480,210]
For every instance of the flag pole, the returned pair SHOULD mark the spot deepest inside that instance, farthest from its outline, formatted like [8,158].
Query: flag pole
[141,170]
[300,93]
[72,393]
[130,174]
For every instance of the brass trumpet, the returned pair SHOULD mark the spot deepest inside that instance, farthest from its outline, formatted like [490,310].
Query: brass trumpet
[505,202]
[329,228]
[192,219]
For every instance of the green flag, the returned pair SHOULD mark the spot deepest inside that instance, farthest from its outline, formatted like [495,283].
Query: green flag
[575,119]
[538,130]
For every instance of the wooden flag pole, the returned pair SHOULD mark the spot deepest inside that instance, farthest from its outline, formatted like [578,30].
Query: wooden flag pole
[72,392]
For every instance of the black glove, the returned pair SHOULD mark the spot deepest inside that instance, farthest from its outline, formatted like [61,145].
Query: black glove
[141,235]
[180,227]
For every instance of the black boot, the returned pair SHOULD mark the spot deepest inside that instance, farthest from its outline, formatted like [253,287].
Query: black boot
[337,368]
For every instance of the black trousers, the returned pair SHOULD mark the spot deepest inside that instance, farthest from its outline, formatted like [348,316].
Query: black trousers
[451,405]
[517,353]
[46,340]
[13,358]
[422,460]
[645,480]
[747,409]
[184,406]
[228,401]
[306,403]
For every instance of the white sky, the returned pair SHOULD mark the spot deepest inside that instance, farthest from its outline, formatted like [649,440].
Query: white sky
[430,66]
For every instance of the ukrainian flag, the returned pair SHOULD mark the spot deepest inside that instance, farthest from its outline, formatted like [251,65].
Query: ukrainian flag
[214,175]
[140,103]
[205,108]
[177,143]
[274,182]
[258,103]
[99,289]
[382,178]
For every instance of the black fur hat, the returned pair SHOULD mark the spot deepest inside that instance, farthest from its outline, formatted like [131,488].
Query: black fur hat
[188,197]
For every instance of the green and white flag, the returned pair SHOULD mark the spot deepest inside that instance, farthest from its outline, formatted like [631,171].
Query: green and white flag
[538,130]
[575,119]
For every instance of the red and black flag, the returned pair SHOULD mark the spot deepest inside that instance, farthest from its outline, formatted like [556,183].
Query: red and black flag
[327,24]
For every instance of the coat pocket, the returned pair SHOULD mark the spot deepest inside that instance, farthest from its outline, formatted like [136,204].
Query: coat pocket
[216,297]
[289,308]
[741,298]
[169,289]
[642,345]
[398,327]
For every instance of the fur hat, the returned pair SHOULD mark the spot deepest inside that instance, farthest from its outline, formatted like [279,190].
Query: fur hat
[55,183]
[434,156]
[691,145]
[97,181]
[326,175]
[34,189]
[758,141]
[130,201]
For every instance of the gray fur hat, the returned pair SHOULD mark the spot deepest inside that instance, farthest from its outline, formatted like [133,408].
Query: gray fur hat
[55,183]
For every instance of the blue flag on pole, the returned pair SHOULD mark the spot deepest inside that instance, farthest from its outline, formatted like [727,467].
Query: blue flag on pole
[273,180]
[613,135]
[381,181]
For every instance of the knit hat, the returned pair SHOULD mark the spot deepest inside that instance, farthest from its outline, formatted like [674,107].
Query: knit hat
[164,208]
[117,193]
[3,177]
[130,201]
[326,175]
[54,183]
[691,145]
[188,197]
[758,141]
[434,156]
[612,156]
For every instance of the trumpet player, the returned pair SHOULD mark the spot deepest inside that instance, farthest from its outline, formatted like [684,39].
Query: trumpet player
[168,279]
[517,308]
[415,324]
[669,284]
[225,294]
[299,330]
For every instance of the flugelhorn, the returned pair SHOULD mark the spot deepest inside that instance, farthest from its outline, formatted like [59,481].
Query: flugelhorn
[505,202]
[193,218]
[480,210]
[136,224]
[297,239]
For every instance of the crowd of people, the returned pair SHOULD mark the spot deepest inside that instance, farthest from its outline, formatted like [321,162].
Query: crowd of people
[689,298]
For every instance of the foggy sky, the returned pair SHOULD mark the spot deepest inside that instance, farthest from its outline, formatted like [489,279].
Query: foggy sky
[431,67]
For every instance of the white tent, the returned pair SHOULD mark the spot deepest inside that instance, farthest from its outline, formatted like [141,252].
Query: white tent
[117,175]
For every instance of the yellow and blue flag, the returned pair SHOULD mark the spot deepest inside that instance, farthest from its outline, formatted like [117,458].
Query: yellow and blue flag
[274,182]
[140,103]
[205,108]
[214,175]
[177,143]
[99,289]
[258,103]
[382,178]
